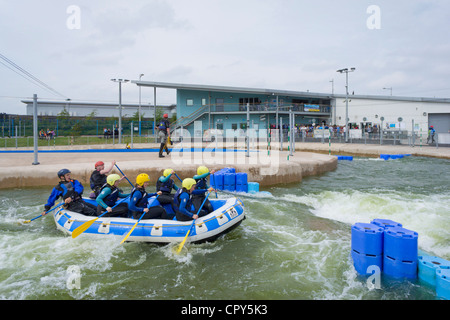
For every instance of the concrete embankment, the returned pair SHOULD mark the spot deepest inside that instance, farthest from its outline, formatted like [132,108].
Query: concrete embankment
[267,168]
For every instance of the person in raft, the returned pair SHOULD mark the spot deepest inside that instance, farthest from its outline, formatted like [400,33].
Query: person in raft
[109,194]
[70,191]
[202,184]
[139,200]
[183,201]
[98,177]
[165,184]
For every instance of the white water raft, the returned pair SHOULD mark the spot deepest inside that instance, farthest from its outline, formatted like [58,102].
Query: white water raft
[227,214]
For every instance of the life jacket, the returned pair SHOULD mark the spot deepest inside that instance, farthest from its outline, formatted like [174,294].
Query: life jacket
[97,180]
[142,201]
[165,187]
[176,199]
[201,184]
[68,191]
[111,199]
[163,125]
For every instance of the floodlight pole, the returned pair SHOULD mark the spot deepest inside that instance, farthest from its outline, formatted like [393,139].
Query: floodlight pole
[346,71]
[120,105]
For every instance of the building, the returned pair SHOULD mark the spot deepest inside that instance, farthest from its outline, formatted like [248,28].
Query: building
[80,109]
[221,107]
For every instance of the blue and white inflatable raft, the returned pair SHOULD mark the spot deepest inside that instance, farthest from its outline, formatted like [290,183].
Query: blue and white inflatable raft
[227,214]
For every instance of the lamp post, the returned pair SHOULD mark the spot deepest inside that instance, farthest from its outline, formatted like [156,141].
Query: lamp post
[140,76]
[346,71]
[388,89]
[120,105]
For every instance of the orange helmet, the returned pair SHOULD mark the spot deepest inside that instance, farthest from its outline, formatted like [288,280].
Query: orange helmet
[165,115]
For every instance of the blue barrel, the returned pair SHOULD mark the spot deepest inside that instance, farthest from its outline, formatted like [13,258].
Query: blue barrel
[367,238]
[253,187]
[401,244]
[228,170]
[443,283]
[241,182]
[367,247]
[229,181]
[428,265]
[385,223]
[216,181]
[398,268]
[362,262]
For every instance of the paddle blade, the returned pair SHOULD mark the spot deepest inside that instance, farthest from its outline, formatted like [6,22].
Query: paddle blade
[181,245]
[83,228]
[128,234]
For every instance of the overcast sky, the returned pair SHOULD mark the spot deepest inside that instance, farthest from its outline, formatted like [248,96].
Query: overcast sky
[274,44]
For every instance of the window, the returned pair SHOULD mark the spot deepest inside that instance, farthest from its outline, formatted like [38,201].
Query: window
[219,104]
[189,102]
[234,126]
[253,102]
[204,102]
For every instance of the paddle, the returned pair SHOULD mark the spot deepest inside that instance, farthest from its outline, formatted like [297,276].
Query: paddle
[124,175]
[87,224]
[178,177]
[214,182]
[41,215]
[180,246]
[143,214]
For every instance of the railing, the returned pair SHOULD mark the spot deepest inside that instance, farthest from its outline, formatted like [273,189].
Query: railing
[184,121]
[264,107]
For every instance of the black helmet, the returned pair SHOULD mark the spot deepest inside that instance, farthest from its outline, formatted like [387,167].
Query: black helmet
[62,172]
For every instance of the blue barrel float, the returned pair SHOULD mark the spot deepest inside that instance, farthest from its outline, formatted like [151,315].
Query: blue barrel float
[400,253]
[241,182]
[443,283]
[367,247]
[216,180]
[229,181]
[253,187]
[428,266]
[385,223]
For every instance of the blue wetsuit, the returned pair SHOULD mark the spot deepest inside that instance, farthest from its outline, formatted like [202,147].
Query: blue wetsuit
[197,198]
[184,203]
[70,189]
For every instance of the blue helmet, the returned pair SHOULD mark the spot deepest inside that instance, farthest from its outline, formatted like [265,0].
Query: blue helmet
[62,172]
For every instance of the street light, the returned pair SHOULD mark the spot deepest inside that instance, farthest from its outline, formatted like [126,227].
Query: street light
[120,105]
[346,71]
[388,89]
[140,76]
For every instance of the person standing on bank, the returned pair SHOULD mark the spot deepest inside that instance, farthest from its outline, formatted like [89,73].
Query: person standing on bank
[164,134]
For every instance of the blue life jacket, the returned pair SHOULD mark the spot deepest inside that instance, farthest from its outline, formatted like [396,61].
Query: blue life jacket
[110,200]
[165,187]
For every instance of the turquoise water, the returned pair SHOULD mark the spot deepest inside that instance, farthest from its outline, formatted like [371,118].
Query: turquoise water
[293,245]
